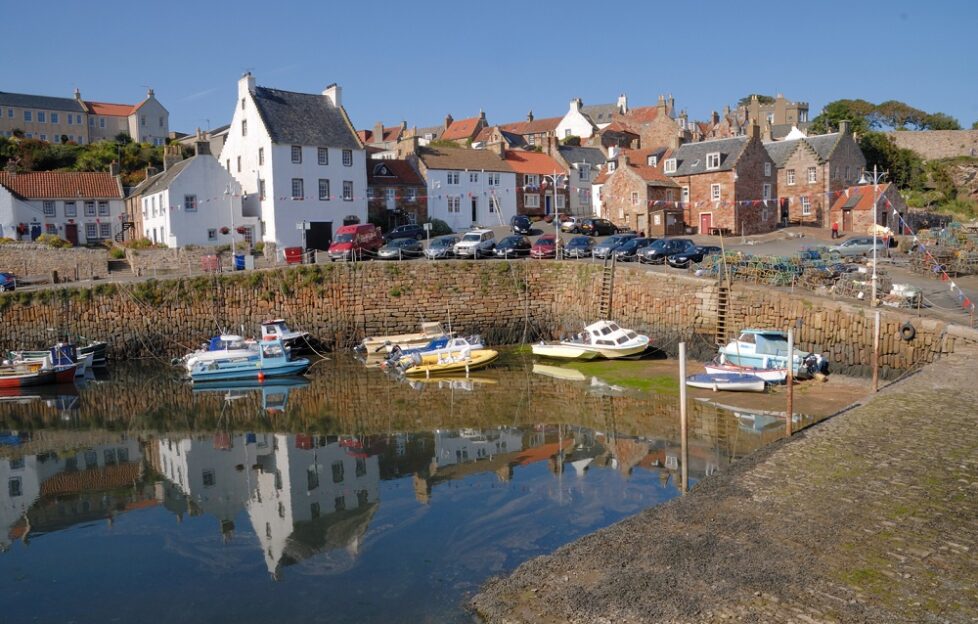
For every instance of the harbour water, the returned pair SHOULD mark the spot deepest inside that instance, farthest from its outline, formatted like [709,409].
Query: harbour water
[350,497]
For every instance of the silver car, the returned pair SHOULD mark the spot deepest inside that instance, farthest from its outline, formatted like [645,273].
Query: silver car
[859,246]
[441,247]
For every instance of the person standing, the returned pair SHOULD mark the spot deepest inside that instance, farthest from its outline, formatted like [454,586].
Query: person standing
[835,229]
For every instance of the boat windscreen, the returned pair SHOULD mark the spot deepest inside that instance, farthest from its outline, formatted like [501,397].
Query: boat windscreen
[771,344]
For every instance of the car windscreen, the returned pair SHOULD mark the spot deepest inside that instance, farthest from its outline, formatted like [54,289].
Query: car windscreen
[659,245]
[580,241]
[444,242]
[344,238]
[471,238]
[401,242]
[509,240]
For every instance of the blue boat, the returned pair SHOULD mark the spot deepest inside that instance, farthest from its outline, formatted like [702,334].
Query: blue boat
[271,359]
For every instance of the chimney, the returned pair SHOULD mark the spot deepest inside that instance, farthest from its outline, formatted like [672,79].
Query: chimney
[675,141]
[529,116]
[246,85]
[482,115]
[622,104]
[755,130]
[406,147]
[726,110]
[334,94]
[766,132]
[671,104]
[448,120]
[660,107]
[623,161]
[499,149]
[378,133]
[172,154]
[151,171]
[576,104]
[77,94]
[844,126]
[149,93]
[114,168]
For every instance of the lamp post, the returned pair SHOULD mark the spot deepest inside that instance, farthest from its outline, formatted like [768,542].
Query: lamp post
[877,176]
[555,179]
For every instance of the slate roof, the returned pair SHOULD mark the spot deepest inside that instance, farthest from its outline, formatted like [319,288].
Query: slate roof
[691,157]
[401,172]
[462,159]
[41,101]
[161,181]
[304,119]
[591,155]
[601,113]
[62,185]
[823,144]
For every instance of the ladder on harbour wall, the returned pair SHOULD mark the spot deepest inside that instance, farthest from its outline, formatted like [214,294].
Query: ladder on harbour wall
[607,287]
[723,304]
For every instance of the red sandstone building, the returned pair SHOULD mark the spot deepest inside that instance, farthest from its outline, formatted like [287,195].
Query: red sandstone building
[396,193]
[637,187]
[535,193]
[853,209]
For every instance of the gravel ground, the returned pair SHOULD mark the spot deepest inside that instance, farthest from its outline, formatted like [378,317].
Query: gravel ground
[871,516]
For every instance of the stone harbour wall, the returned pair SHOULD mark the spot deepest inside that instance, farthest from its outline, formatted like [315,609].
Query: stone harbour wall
[507,302]
[33,260]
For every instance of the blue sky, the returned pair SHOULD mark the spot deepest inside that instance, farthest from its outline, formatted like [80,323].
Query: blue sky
[420,60]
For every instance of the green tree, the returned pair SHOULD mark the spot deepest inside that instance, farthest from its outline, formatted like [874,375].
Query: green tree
[942,121]
[906,167]
[761,98]
[856,112]
[974,126]
[98,156]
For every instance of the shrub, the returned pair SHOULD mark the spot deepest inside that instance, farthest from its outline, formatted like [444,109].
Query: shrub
[139,243]
[117,253]
[52,240]
[259,247]
[439,227]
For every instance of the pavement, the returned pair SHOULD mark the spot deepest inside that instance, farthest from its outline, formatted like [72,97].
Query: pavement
[871,516]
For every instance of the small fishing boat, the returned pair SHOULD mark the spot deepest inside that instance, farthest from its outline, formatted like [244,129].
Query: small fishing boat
[450,363]
[770,375]
[562,351]
[271,359]
[61,354]
[375,344]
[97,349]
[220,347]
[607,339]
[438,346]
[278,329]
[768,349]
[23,374]
[731,382]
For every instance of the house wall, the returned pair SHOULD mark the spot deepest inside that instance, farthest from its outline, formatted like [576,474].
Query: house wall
[543,192]
[150,124]
[846,165]
[439,191]
[791,195]
[380,206]
[618,198]
[14,211]
[103,127]
[757,216]
[575,123]
[72,124]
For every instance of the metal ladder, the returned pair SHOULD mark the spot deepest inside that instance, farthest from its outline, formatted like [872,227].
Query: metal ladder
[607,287]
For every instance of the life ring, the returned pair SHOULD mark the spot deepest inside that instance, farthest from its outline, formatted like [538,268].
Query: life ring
[907,331]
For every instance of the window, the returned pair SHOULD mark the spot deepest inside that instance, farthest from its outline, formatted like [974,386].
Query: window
[812,175]
[212,234]
[347,158]
[531,181]
[531,200]
[312,478]
[244,127]
[238,163]
[105,230]
[584,172]
[261,190]
[806,206]
[767,169]
[585,199]
[493,179]
[455,204]
[91,231]
[297,190]
[70,209]
[142,120]
[337,472]
[653,161]
[40,117]
[297,154]
[848,173]
[48,208]
[14,487]
[347,190]
[89,209]
[715,192]
[323,154]
[314,510]
[10,113]
[391,194]
[54,118]
[44,137]
[411,195]
[567,133]
[803,116]
[713,160]
[190,203]
[208,478]
[103,208]
[323,189]
[634,198]
[242,103]
[473,177]
[684,195]
[101,122]
[228,165]
[361,467]
[50,228]
[670,165]
[453,177]
[766,191]
[561,202]
[161,122]
[790,175]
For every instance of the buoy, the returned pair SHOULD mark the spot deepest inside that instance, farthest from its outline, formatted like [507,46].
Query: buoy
[261,376]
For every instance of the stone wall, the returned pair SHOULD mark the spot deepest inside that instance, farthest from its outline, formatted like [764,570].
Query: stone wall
[933,144]
[33,260]
[506,302]
[179,261]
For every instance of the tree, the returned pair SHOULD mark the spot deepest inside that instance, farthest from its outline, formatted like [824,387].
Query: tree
[122,138]
[941,121]
[905,166]
[856,112]
[893,114]
[762,99]
[974,126]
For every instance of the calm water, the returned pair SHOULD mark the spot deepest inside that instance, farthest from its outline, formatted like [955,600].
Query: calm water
[351,498]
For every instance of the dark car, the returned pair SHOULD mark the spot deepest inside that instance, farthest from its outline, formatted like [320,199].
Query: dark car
[628,250]
[545,247]
[401,249]
[657,252]
[579,247]
[683,259]
[597,227]
[521,224]
[413,230]
[608,245]
[513,246]
[7,281]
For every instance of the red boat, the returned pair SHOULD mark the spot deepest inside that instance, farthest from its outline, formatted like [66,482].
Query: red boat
[34,374]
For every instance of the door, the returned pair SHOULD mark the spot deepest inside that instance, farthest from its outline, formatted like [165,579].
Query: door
[35,230]
[319,235]
[546,204]
[475,210]
[847,220]
[706,222]
[71,233]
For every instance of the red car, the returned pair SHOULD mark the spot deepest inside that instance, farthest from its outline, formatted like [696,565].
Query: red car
[545,247]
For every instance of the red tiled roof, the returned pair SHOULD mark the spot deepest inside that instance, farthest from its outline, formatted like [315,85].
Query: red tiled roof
[62,185]
[617,126]
[537,126]
[461,129]
[532,162]
[402,171]
[642,114]
[364,135]
[602,177]
[393,133]
[859,197]
[105,108]
[483,135]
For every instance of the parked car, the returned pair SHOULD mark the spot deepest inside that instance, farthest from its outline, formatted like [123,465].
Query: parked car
[579,247]
[513,246]
[521,224]
[7,281]
[441,247]
[605,247]
[412,230]
[628,251]
[545,247]
[657,252]
[401,249]
[683,259]
[476,244]
[859,246]
[597,227]
[353,240]
[570,224]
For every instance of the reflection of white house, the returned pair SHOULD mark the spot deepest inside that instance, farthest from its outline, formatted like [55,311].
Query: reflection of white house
[467,445]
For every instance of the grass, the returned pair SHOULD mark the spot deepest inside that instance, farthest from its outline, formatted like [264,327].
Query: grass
[634,374]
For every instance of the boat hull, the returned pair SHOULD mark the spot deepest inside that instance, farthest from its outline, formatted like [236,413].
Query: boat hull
[30,375]
[770,375]
[560,351]
[727,382]
[233,371]
[430,365]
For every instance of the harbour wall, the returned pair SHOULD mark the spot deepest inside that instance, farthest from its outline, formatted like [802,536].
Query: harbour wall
[506,302]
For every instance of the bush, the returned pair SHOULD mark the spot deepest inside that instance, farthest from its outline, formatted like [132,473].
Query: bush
[52,240]
[140,243]
[259,247]
[117,253]
[439,227]
[4,240]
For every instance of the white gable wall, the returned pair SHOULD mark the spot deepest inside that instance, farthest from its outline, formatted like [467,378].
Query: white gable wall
[439,192]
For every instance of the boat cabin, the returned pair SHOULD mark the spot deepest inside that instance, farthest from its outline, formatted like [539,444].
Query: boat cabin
[765,342]
[606,333]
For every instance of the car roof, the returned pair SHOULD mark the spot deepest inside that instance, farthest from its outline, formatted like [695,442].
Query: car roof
[479,231]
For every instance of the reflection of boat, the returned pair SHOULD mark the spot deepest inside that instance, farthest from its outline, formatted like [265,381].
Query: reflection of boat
[374,344]
[446,364]
[452,382]
[731,382]
[768,349]
[559,372]
[770,375]
[271,360]
[274,394]
[61,396]
[601,338]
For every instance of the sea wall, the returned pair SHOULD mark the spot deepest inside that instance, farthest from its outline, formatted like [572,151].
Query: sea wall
[504,301]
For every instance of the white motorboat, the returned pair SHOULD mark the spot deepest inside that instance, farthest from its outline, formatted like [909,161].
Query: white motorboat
[732,382]
[607,339]
[770,375]
[561,351]
[278,329]
[768,349]
[221,348]
[376,344]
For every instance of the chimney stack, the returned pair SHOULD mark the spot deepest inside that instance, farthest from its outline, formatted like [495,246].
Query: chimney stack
[499,149]
[448,120]
[844,126]
[172,154]
[755,130]
[766,134]
[576,104]
[529,116]
[406,147]
[378,133]
[671,104]
[151,171]
[114,168]
[334,94]
[246,85]
[675,141]
[622,104]
[77,94]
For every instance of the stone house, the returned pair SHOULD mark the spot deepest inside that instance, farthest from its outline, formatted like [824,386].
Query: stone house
[725,184]
[637,187]
[397,193]
[532,132]
[616,134]
[384,138]
[853,209]
[583,121]
[811,171]
[655,125]
[536,194]
[781,115]
[463,132]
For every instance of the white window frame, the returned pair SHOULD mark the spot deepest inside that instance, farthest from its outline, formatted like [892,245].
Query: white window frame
[713,160]
[74,209]
[767,169]
[531,200]
[347,190]
[812,175]
[806,206]
[531,180]
[105,230]
[635,198]
[347,158]
[190,203]
[560,202]
[715,192]
[211,234]
[297,154]
[669,166]
[103,209]
[493,179]
[473,177]
[789,175]
[298,185]
[49,207]
[454,204]
[324,189]
[244,126]
[452,177]
[684,195]
[89,208]
[322,156]
[91,231]
[766,191]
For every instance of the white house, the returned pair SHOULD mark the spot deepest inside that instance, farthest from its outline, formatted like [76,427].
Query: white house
[468,187]
[582,121]
[194,202]
[80,207]
[298,160]
[584,165]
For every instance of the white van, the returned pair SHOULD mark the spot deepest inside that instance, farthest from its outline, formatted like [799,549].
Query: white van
[476,244]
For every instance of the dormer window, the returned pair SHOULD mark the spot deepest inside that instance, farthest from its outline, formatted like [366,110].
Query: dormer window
[670,165]
[653,161]
[612,165]
[713,160]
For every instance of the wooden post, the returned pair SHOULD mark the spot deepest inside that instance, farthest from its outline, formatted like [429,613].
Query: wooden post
[789,380]
[683,423]
[876,352]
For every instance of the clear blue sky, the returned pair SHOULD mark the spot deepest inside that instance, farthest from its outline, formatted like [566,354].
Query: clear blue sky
[420,60]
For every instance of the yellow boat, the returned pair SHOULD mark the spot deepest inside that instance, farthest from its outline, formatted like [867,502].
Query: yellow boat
[452,363]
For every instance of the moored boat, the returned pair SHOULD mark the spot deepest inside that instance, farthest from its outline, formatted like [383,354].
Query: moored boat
[24,374]
[607,339]
[733,382]
[450,363]
[278,329]
[60,355]
[768,349]
[770,375]
[97,349]
[221,347]
[438,346]
[270,360]
[562,351]
[376,344]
